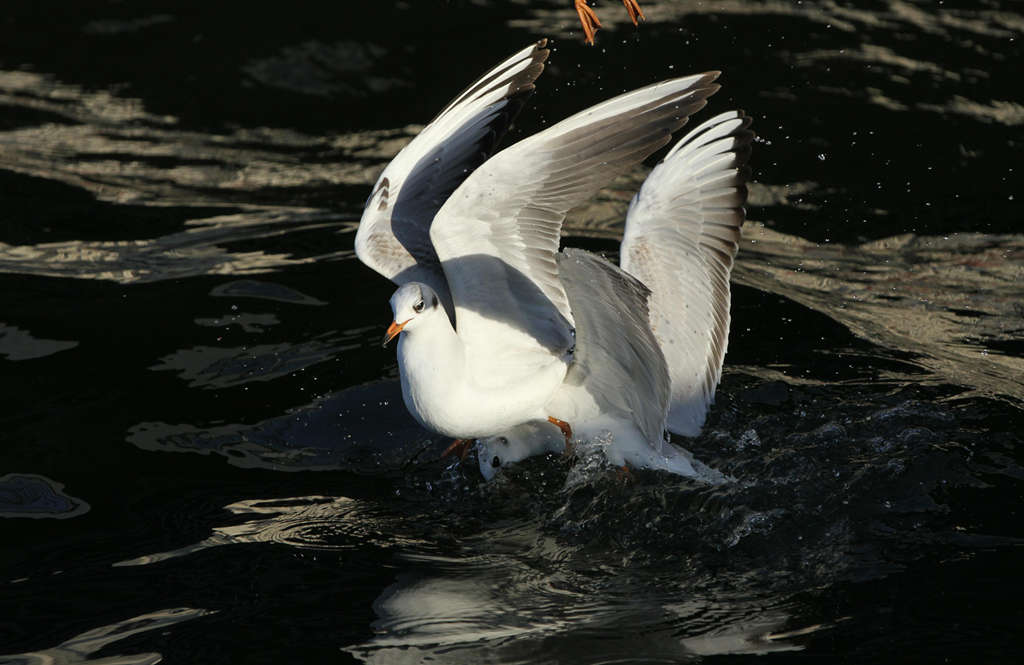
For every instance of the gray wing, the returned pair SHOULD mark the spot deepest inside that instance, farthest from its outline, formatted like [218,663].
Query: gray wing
[682,234]
[394,232]
[498,234]
[617,359]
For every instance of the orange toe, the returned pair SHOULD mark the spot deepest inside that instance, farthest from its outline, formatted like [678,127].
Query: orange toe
[588,19]
[460,447]
[566,431]
[635,13]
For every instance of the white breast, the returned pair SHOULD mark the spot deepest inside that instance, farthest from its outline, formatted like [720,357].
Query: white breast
[451,392]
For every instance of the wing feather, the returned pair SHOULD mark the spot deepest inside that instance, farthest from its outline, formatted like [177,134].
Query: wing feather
[394,232]
[617,359]
[498,234]
[682,234]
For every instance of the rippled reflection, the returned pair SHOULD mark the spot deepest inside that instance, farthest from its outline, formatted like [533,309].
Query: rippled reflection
[81,648]
[363,429]
[18,344]
[216,367]
[199,250]
[37,497]
[509,593]
[317,522]
[943,299]
[502,605]
[540,566]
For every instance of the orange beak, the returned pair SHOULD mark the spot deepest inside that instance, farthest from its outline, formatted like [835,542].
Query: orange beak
[393,331]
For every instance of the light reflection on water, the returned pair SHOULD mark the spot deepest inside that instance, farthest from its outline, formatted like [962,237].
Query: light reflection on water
[867,414]
[537,566]
[312,522]
[195,251]
[357,430]
[511,592]
[477,614]
[82,648]
[515,594]
[32,496]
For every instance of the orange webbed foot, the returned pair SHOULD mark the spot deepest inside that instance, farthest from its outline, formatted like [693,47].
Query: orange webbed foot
[566,431]
[635,13]
[588,19]
[460,447]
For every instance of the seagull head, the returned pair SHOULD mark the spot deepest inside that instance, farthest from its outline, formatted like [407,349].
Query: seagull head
[531,438]
[411,303]
[495,452]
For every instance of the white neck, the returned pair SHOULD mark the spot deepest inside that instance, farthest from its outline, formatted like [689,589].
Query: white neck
[450,387]
[431,356]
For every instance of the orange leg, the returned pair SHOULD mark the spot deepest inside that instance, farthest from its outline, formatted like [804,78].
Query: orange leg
[588,19]
[633,7]
[566,431]
[460,447]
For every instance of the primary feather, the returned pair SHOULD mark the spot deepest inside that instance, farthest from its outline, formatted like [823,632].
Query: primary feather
[682,234]
[394,232]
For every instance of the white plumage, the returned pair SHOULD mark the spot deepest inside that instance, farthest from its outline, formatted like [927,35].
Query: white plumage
[499,329]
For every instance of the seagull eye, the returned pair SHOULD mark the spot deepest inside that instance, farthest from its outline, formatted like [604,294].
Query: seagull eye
[503,441]
[418,307]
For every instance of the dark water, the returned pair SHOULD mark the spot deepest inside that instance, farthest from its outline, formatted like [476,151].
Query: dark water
[203,453]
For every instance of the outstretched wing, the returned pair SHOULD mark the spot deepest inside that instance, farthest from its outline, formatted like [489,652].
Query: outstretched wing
[497,235]
[617,360]
[394,232]
[682,234]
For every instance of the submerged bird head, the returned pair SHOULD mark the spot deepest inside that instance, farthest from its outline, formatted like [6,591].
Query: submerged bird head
[531,438]
[411,303]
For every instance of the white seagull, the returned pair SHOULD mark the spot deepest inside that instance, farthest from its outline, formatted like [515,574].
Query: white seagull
[484,307]
[651,337]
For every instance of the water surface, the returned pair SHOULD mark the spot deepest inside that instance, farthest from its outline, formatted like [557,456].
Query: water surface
[203,452]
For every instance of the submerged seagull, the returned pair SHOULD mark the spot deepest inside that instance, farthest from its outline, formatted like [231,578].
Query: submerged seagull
[487,326]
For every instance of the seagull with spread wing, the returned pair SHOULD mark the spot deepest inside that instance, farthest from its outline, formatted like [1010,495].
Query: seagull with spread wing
[651,335]
[488,329]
